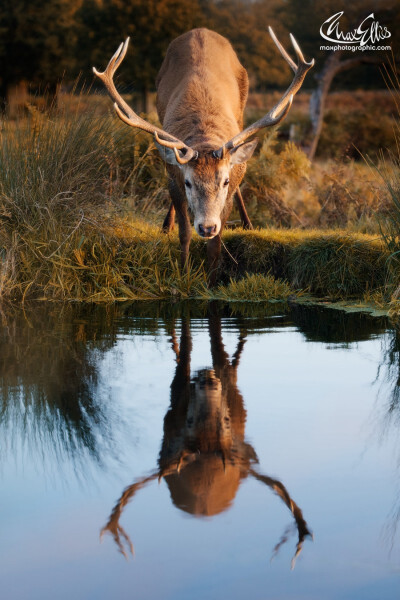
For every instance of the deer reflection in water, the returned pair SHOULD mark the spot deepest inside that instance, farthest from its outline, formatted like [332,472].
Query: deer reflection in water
[204,455]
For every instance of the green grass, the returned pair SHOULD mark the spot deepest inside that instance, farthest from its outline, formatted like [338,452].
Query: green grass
[254,287]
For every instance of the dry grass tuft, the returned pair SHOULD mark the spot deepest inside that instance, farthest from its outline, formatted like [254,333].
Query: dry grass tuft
[254,287]
[283,189]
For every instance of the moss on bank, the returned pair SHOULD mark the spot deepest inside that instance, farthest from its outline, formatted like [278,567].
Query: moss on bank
[122,260]
[335,263]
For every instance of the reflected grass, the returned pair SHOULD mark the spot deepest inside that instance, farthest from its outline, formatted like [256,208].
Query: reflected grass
[49,390]
[50,382]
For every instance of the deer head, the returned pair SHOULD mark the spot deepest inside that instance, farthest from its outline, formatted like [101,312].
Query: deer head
[207,183]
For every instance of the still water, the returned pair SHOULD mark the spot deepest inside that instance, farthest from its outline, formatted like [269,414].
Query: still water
[198,451]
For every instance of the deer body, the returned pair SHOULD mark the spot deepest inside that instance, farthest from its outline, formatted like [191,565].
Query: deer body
[201,94]
[202,89]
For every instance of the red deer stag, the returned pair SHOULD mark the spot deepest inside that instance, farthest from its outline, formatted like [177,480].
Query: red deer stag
[201,94]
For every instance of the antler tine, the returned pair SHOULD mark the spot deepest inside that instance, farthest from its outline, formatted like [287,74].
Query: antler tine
[282,49]
[299,52]
[115,60]
[182,160]
[120,54]
[128,115]
[168,144]
[281,109]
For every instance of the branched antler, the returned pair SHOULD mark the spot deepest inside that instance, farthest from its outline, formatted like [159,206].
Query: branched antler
[302,527]
[281,109]
[113,527]
[182,152]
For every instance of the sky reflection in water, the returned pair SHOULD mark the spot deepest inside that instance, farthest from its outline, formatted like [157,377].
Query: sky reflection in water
[261,429]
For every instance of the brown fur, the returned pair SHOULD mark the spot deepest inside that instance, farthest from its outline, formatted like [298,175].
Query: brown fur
[202,89]
[201,94]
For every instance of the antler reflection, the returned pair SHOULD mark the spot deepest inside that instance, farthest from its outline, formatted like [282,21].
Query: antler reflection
[204,455]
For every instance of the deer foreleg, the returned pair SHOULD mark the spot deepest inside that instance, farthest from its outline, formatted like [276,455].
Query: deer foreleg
[179,206]
[185,235]
[244,217]
[169,221]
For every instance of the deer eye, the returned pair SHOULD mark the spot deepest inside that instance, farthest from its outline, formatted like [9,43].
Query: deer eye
[226,182]
[188,184]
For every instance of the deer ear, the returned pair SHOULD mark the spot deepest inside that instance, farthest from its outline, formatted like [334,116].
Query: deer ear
[243,152]
[167,154]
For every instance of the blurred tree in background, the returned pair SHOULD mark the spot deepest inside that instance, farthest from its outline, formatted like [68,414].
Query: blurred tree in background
[305,19]
[151,25]
[42,43]
[37,44]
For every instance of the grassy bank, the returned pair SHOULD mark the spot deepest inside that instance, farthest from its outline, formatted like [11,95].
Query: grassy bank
[120,260]
[72,187]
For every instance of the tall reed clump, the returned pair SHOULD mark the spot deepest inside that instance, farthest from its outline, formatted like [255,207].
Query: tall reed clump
[60,176]
[52,184]
[389,170]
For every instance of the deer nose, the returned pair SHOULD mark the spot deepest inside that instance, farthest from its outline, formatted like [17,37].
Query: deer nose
[207,231]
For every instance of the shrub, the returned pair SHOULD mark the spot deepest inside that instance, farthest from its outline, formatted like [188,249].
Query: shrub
[352,134]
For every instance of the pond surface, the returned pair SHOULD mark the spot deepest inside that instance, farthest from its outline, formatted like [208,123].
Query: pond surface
[198,451]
